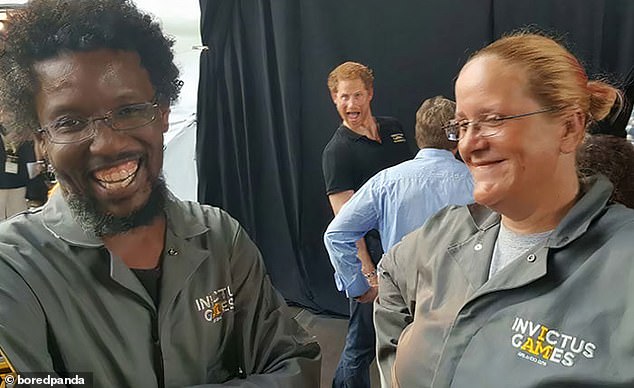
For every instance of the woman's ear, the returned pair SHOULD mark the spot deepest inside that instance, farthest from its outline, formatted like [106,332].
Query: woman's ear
[574,131]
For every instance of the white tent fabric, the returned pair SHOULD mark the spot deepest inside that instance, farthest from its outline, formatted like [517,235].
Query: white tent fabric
[181,21]
[179,160]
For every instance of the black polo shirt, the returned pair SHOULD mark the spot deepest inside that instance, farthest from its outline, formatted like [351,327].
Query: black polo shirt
[350,159]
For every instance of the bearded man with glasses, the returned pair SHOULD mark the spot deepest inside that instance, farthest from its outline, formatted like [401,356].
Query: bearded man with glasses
[114,276]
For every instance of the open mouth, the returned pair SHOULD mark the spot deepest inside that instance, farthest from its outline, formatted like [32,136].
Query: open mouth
[353,115]
[119,176]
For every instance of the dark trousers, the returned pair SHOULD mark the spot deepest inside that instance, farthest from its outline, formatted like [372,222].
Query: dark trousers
[353,370]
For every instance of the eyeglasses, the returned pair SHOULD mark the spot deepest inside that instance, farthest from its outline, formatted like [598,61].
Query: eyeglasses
[488,126]
[70,129]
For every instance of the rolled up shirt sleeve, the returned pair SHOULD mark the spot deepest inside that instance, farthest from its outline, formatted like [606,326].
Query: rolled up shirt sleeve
[357,217]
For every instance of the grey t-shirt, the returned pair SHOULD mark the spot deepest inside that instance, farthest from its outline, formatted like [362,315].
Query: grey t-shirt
[510,245]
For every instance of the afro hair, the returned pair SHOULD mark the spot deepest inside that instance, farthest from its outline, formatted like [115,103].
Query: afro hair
[45,29]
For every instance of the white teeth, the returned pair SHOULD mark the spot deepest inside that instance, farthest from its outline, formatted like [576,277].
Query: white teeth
[119,176]
[118,185]
[116,176]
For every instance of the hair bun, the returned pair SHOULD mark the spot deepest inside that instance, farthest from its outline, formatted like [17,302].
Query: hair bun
[602,98]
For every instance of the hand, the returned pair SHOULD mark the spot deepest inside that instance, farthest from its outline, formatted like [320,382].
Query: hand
[373,280]
[369,295]
[370,274]
[32,204]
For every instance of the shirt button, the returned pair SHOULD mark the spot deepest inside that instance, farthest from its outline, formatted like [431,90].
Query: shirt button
[531,258]
[478,247]
[172,252]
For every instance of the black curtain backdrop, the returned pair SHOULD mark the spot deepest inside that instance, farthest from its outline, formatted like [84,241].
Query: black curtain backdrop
[265,114]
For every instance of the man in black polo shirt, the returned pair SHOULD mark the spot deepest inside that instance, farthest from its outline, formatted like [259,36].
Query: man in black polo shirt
[362,146]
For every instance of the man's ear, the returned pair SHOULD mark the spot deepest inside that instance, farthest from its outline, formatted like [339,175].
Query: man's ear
[165,117]
[574,131]
[333,96]
[39,146]
[371,93]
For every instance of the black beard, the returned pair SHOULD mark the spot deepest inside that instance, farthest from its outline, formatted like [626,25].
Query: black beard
[93,220]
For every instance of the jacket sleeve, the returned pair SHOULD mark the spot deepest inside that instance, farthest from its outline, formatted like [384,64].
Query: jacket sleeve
[393,308]
[274,350]
[23,338]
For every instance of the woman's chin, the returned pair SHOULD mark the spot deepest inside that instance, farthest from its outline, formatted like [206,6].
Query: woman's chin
[487,194]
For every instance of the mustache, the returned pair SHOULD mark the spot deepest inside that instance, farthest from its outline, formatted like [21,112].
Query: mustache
[101,162]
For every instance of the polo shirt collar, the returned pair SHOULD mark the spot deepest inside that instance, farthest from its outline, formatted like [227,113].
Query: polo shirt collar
[355,136]
[349,133]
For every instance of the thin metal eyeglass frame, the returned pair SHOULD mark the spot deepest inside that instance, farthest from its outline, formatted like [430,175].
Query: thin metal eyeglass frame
[453,135]
[106,118]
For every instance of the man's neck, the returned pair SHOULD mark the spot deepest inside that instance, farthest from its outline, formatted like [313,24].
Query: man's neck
[369,128]
[141,247]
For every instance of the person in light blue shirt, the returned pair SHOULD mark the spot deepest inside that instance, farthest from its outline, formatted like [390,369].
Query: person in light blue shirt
[399,199]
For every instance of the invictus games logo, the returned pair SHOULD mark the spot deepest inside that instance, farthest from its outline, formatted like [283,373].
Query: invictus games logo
[542,345]
[214,305]
[7,372]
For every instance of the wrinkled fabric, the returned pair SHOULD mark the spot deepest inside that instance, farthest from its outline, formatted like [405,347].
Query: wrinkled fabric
[68,305]
[559,315]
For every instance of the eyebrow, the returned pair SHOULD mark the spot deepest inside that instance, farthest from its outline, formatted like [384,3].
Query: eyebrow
[353,92]
[68,108]
[481,112]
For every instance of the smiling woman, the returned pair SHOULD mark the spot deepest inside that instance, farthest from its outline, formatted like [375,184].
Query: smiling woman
[536,237]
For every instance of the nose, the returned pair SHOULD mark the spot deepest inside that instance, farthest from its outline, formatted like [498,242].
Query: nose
[105,139]
[471,141]
[472,128]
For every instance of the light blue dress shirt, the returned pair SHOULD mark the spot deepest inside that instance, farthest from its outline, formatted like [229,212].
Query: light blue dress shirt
[395,201]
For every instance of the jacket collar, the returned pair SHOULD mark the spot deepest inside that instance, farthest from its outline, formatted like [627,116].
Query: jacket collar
[597,191]
[59,220]
[596,194]
[483,218]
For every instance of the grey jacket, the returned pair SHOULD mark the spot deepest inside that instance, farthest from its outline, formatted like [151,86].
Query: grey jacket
[68,305]
[559,315]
